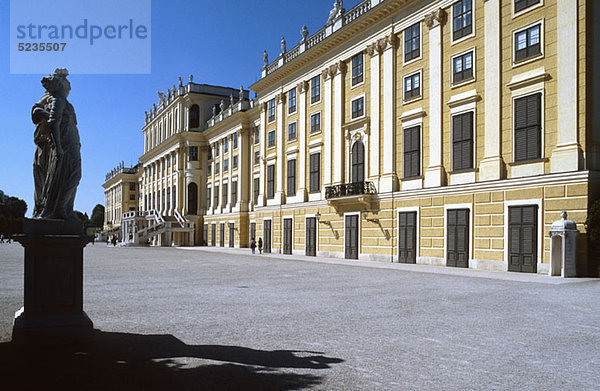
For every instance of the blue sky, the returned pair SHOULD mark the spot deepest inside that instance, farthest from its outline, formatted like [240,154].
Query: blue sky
[219,42]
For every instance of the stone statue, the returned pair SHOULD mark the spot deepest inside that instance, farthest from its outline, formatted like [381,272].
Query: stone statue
[222,105]
[283,48]
[180,82]
[231,99]
[191,78]
[214,111]
[304,33]
[146,115]
[174,89]
[161,96]
[241,93]
[336,12]
[265,58]
[169,94]
[57,160]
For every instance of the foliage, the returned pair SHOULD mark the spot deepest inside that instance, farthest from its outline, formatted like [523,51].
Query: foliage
[12,213]
[592,226]
[97,218]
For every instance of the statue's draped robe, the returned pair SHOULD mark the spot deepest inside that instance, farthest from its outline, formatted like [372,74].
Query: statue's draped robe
[56,177]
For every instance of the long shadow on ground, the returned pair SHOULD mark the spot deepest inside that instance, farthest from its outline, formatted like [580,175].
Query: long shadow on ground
[118,361]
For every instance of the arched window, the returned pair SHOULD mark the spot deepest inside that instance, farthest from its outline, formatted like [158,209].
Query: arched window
[358,162]
[194,116]
[192,198]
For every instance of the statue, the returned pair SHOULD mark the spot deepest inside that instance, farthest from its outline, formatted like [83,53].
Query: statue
[222,105]
[336,12]
[283,49]
[304,32]
[161,96]
[191,78]
[265,58]
[180,82]
[241,93]
[231,99]
[169,94]
[57,159]
[214,111]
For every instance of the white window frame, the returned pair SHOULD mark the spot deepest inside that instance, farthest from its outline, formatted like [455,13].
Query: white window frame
[526,10]
[404,63]
[474,67]
[542,54]
[416,98]
[451,24]
[362,96]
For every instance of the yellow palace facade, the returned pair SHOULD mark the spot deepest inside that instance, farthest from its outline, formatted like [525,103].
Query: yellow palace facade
[435,132]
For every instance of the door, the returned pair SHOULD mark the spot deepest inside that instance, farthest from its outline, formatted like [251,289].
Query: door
[213,235]
[458,238]
[205,235]
[407,237]
[311,236]
[351,237]
[267,235]
[231,235]
[522,239]
[358,162]
[222,234]
[287,236]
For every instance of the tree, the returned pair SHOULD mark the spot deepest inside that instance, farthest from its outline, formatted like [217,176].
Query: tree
[97,218]
[12,213]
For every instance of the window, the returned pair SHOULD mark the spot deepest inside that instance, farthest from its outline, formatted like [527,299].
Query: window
[226,165]
[217,149]
[194,116]
[463,19]
[292,101]
[208,197]
[271,139]
[292,131]
[217,168]
[208,170]
[225,145]
[235,161]
[233,193]
[315,172]
[412,152]
[168,198]
[315,122]
[527,43]
[209,155]
[131,197]
[528,124]
[216,196]
[193,154]
[412,86]
[271,181]
[131,186]
[357,69]
[412,42]
[256,157]
[315,89]
[256,135]
[235,140]
[291,177]
[224,195]
[256,190]
[520,5]
[462,141]
[358,107]
[358,162]
[174,196]
[271,109]
[462,67]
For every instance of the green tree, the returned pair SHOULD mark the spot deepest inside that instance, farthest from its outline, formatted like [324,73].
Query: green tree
[592,226]
[12,213]
[97,218]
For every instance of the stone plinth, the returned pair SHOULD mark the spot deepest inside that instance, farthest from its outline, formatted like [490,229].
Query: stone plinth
[53,310]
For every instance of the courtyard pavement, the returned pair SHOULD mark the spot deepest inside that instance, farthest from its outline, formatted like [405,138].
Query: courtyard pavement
[223,319]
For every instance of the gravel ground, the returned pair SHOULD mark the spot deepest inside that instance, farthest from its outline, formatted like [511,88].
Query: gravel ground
[227,320]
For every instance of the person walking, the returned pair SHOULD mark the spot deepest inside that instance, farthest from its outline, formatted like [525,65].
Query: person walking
[260,244]
[253,245]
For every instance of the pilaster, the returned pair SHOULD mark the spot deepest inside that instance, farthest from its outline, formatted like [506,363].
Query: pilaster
[303,133]
[279,138]
[389,179]
[337,72]
[373,167]
[327,132]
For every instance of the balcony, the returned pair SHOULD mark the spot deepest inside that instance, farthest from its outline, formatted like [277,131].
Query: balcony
[348,194]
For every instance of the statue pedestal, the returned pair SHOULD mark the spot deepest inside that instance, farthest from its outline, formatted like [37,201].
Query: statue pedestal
[53,310]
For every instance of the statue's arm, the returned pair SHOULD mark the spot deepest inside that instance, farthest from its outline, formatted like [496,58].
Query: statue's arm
[56,112]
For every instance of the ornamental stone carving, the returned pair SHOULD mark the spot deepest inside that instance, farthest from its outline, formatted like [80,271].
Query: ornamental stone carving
[302,86]
[304,33]
[325,73]
[280,98]
[435,18]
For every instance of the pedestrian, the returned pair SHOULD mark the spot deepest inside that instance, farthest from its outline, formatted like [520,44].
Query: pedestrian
[114,241]
[253,245]
[260,245]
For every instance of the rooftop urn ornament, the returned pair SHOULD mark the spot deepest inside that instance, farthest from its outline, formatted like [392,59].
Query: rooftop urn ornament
[304,32]
[265,58]
[283,48]
[57,160]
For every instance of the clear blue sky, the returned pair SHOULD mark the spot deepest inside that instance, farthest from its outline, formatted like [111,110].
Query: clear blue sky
[219,42]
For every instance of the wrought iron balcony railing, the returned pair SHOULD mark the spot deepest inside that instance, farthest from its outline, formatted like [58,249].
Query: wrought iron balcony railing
[349,189]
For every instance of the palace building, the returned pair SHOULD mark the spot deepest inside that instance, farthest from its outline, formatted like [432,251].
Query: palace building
[445,132]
